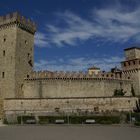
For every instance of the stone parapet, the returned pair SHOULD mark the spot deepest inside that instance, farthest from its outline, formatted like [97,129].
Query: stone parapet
[35,75]
[16,19]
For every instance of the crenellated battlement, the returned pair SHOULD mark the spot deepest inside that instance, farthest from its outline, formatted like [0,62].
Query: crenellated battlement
[16,19]
[73,75]
[131,65]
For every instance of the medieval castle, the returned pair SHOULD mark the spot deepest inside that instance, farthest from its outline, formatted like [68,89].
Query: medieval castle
[24,91]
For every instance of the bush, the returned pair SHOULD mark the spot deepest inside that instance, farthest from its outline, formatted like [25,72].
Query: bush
[108,119]
[5,121]
[80,119]
[134,115]
[137,123]
[24,119]
[51,119]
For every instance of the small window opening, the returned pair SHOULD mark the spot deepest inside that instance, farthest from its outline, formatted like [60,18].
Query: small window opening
[96,109]
[28,55]
[4,40]
[124,64]
[3,74]
[11,58]
[57,109]
[26,42]
[4,53]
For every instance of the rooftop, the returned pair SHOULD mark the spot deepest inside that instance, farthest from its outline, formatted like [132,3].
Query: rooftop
[134,47]
[93,68]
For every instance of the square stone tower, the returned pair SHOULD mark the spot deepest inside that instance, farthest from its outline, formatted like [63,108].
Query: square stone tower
[16,53]
[131,67]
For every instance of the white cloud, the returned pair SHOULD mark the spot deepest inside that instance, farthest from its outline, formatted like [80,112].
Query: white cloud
[41,39]
[112,24]
[78,64]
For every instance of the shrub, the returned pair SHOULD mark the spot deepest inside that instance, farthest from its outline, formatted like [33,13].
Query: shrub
[51,119]
[5,121]
[24,119]
[80,119]
[135,115]
[137,123]
[119,92]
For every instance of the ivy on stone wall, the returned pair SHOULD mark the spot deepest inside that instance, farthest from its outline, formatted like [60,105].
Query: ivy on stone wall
[137,109]
[119,92]
[132,91]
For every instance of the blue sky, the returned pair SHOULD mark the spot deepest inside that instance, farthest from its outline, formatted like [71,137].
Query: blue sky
[73,35]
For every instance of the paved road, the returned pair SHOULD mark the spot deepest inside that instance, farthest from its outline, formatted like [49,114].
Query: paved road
[58,132]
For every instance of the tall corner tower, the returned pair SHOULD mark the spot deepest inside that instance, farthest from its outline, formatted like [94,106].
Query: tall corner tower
[131,67]
[16,53]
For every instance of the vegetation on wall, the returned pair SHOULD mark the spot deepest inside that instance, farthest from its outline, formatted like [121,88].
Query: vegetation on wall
[137,109]
[132,91]
[119,92]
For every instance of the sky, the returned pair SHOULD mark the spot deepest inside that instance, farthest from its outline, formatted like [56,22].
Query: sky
[73,35]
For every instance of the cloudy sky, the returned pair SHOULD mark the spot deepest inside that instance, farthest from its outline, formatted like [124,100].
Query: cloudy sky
[73,35]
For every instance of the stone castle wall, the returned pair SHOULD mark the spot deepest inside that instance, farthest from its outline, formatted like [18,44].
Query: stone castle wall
[88,87]
[45,91]
[38,107]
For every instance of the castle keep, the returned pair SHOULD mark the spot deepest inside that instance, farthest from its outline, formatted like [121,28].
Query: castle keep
[24,91]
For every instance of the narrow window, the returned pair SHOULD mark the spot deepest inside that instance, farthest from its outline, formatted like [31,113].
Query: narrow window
[124,64]
[4,53]
[11,59]
[28,55]
[26,42]
[4,40]
[3,74]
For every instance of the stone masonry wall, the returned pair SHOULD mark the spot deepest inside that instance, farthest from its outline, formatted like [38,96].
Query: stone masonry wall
[59,88]
[46,106]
